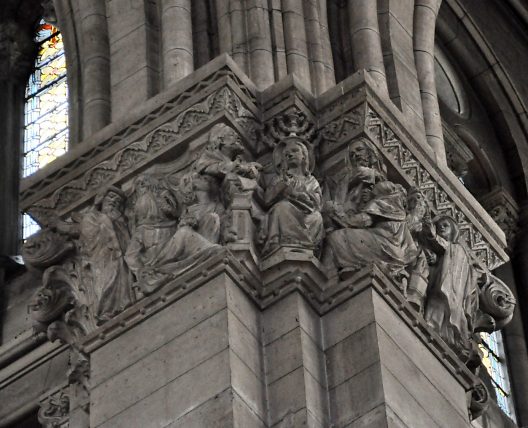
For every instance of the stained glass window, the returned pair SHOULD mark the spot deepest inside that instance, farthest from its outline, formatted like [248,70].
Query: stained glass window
[46,109]
[493,360]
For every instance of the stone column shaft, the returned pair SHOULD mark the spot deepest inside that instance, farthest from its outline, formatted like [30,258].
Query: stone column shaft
[318,41]
[365,39]
[95,54]
[295,41]
[425,14]
[239,46]
[11,128]
[259,38]
[176,40]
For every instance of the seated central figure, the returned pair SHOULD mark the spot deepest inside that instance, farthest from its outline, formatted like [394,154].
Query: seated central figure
[294,195]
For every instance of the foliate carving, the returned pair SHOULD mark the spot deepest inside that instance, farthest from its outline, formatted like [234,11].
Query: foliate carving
[291,122]
[497,301]
[294,199]
[224,100]
[54,411]
[440,202]
[478,400]
[45,249]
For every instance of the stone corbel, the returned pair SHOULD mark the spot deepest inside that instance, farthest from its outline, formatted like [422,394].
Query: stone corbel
[457,153]
[504,210]
[57,307]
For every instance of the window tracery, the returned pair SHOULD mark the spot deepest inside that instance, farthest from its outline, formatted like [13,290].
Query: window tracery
[494,361]
[45,110]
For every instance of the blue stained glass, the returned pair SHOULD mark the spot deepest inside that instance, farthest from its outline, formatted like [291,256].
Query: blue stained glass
[46,108]
[493,360]
[29,226]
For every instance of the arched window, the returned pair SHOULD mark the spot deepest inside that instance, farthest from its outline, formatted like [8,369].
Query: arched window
[46,109]
[494,361]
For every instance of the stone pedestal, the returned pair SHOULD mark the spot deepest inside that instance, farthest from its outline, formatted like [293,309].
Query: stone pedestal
[197,362]
[202,353]
[380,374]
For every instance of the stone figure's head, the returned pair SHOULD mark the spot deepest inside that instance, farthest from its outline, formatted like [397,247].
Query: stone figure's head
[225,139]
[110,199]
[416,202]
[294,154]
[145,183]
[363,153]
[446,227]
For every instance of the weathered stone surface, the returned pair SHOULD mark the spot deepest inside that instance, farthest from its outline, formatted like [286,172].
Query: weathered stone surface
[277,335]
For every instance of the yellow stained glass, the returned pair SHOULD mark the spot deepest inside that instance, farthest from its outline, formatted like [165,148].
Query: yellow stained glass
[46,110]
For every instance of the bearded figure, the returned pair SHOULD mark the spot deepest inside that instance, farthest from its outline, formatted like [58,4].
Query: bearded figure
[202,188]
[453,295]
[347,193]
[104,238]
[161,246]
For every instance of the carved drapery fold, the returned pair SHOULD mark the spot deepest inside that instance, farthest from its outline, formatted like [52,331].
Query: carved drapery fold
[308,201]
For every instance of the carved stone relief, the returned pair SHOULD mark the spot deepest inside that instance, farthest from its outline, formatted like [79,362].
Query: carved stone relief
[105,258]
[293,198]
[372,220]
[54,411]
[504,210]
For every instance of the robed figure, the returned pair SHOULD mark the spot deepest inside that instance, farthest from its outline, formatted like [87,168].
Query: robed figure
[104,237]
[294,199]
[452,297]
[162,245]
[378,235]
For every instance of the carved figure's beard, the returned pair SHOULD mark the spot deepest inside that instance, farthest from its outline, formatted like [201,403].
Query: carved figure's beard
[360,160]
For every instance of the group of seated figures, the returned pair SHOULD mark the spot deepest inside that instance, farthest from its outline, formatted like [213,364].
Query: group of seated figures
[128,245]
